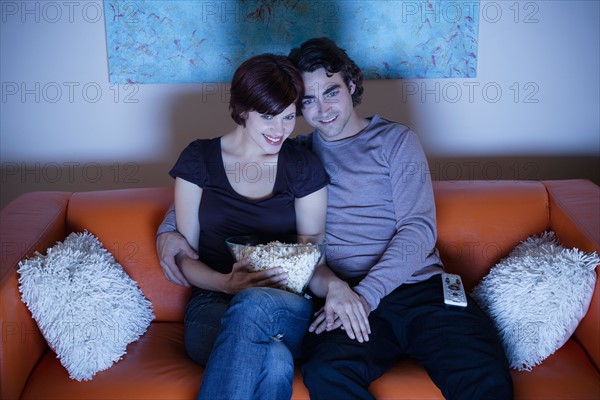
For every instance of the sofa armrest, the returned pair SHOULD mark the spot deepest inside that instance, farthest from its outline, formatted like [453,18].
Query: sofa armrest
[32,222]
[575,218]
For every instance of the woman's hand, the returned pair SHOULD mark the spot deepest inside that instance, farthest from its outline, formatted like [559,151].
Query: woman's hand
[346,309]
[241,278]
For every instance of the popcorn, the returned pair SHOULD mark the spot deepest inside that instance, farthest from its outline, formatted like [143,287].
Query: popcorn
[297,260]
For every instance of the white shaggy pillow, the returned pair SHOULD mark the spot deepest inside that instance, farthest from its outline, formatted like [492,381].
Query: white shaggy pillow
[86,306]
[536,297]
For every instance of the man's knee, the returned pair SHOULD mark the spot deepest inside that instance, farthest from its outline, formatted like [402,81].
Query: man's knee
[494,384]
[325,367]
[316,373]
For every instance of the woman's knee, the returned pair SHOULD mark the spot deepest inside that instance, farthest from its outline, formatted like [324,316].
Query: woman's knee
[271,298]
[279,359]
[277,375]
[252,297]
[267,305]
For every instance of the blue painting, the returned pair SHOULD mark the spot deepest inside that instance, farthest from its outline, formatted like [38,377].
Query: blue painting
[188,41]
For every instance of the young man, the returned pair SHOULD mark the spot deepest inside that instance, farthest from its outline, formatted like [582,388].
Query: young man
[387,292]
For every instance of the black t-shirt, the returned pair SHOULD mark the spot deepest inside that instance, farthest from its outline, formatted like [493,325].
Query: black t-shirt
[224,213]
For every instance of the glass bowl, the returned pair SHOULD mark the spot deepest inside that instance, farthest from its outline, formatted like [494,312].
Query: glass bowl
[297,255]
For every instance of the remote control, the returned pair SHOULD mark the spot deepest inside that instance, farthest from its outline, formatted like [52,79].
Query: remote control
[454,293]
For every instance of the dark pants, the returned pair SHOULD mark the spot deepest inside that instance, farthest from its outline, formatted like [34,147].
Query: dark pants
[459,348]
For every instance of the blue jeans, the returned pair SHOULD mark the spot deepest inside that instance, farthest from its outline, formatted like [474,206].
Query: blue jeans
[203,322]
[260,335]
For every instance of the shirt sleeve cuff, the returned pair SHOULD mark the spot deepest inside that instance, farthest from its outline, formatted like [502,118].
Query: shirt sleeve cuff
[372,298]
[169,224]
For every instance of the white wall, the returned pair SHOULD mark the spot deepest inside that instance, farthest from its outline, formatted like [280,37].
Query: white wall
[532,112]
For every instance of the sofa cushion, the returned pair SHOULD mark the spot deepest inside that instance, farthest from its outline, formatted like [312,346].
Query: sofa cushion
[536,297]
[568,374]
[87,308]
[155,367]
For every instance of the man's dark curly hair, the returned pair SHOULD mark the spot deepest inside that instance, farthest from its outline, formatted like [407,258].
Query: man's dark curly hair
[324,53]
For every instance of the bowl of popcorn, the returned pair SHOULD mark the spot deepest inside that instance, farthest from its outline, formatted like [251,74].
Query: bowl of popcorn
[297,255]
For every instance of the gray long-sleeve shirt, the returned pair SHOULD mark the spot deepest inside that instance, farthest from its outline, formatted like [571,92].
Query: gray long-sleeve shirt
[381,213]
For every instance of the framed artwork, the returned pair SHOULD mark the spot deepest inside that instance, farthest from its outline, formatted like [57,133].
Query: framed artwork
[187,41]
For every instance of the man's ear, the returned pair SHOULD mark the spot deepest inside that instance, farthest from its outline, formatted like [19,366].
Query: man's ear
[352,87]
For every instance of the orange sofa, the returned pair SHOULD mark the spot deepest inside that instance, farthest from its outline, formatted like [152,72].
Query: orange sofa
[479,223]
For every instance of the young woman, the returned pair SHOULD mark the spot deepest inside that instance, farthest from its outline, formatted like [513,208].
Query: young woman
[247,181]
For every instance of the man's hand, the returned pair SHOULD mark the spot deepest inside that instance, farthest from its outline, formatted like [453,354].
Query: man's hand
[168,245]
[343,308]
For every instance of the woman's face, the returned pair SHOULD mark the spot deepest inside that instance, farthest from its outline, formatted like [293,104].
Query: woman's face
[269,131]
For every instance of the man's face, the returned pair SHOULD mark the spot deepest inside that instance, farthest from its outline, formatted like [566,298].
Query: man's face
[327,104]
